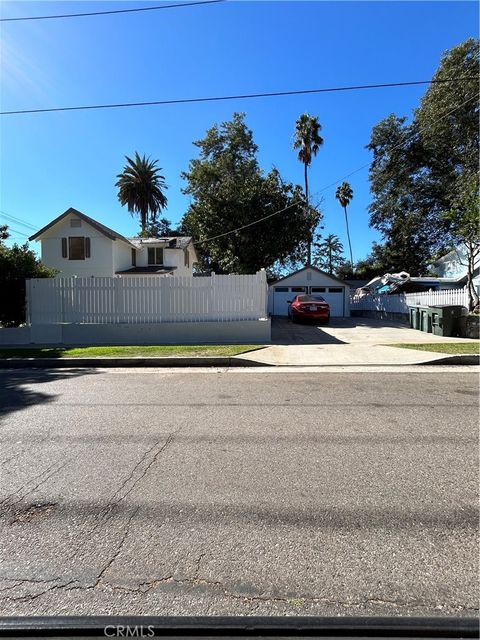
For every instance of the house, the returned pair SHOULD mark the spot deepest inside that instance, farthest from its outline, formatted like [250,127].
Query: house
[452,269]
[78,245]
[309,280]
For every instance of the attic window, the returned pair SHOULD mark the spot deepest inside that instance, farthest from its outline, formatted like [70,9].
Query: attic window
[75,222]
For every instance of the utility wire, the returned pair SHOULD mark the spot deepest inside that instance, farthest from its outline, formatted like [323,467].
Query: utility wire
[17,231]
[17,220]
[242,96]
[104,13]
[294,204]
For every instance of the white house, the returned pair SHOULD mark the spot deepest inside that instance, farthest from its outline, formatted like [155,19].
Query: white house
[78,245]
[312,281]
[452,269]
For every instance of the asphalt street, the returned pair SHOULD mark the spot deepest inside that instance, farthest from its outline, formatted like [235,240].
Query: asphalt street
[187,492]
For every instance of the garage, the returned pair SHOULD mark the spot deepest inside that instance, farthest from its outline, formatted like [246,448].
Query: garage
[309,280]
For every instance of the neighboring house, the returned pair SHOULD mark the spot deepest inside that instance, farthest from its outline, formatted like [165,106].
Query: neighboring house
[309,280]
[78,245]
[452,268]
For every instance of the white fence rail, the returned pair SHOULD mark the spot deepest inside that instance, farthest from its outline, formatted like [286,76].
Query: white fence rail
[400,303]
[147,299]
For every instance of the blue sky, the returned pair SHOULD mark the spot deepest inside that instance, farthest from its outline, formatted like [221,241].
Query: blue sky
[52,161]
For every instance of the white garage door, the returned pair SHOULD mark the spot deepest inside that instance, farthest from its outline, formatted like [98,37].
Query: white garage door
[333,295]
[281,295]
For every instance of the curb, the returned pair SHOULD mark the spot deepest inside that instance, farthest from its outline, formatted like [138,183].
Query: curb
[219,361]
[71,363]
[464,359]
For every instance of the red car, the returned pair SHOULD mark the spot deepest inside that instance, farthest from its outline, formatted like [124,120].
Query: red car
[305,307]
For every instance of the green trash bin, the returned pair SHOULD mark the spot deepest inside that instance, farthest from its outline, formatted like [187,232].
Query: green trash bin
[414,317]
[448,320]
[425,319]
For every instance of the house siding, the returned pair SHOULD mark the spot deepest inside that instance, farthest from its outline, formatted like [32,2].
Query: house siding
[100,262]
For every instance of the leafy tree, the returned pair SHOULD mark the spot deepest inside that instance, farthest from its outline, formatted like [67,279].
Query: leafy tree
[328,254]
[418,168]
[464,224]
[307,140]
[228,191]
[159,229]
[141,188]
[344,194]
[16,264]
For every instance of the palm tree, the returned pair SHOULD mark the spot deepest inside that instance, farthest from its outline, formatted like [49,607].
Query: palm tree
[344,194]
[141,187]
[329,253]
[307,140]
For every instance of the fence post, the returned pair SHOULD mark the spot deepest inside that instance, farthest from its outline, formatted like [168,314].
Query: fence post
[28,294]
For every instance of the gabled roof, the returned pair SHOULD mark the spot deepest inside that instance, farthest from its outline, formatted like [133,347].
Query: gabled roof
[324,273]
[110,233]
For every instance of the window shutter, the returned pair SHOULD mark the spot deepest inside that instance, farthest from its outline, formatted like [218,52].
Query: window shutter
[134,258]
[87,247]
[64,247]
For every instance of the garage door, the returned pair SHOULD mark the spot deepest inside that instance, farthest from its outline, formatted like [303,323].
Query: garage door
[333,295]
[281,295]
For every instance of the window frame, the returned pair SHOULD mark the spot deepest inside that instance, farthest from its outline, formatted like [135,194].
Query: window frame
[155,250]
[80,241]
[336,289]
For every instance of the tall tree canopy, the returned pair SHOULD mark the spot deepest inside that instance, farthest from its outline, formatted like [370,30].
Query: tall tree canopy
[418,168]
[229,190]
[307,140]
[141,188]
[344,195]
[328,253]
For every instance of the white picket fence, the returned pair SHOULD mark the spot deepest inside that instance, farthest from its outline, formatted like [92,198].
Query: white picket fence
[400,303]
[147,299]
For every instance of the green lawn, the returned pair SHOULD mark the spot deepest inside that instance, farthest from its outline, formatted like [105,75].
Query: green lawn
[443,347]
[127,351]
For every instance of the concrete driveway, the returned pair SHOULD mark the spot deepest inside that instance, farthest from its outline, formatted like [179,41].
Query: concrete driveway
[350,331]
[349,341]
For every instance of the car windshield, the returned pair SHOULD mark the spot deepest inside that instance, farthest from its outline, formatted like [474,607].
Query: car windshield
[310,299]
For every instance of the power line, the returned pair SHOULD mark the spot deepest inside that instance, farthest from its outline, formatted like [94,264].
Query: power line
[294,204]
[17,231]
[242,96]
[17,220]
[104,13]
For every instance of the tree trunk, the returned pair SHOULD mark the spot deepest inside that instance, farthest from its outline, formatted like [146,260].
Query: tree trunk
[309,237]
[348,236]
[143,219]
[472,294]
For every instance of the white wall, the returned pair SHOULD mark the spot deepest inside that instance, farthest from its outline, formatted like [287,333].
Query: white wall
[122,256]
[101,250]
[171,258]
[236,332]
